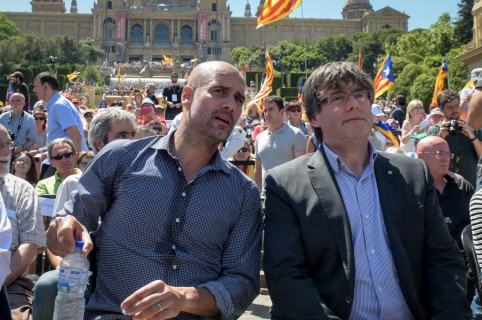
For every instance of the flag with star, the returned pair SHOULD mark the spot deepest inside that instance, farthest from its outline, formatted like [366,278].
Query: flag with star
[275,10]
[384,79]
[439,83]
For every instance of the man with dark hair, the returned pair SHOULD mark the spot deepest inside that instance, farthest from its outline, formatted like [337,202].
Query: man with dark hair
[17,78]
[351,233]
[464,142]
[63,118]
[192,253]
[400,111]
[172,98]
[279,143]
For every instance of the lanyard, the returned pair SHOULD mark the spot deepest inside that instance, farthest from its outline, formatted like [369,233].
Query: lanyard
[20,122]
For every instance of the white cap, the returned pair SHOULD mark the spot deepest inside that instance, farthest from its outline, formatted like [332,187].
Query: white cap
[377,110]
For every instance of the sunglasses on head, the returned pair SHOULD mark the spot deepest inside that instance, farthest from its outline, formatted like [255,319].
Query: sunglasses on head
[244,149]
[39,118]
[295,110]
[66,155]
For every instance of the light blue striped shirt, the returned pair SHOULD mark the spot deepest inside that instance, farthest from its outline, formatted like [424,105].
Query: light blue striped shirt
[377,289]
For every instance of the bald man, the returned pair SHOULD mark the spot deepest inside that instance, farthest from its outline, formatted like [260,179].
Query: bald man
[453,191]
[192,250]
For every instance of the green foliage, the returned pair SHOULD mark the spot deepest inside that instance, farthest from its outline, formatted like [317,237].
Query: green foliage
[91,74]
[8,28]
[463,26]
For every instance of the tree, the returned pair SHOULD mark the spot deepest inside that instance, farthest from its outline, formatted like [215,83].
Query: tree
[92,74]
[465,23]
[8,28]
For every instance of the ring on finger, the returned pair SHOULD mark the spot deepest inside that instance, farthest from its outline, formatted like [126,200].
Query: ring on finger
[159,305]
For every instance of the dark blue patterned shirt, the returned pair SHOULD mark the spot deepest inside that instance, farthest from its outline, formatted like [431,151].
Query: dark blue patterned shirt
[156,225]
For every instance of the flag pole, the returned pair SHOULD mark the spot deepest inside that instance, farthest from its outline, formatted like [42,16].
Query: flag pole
[304,40]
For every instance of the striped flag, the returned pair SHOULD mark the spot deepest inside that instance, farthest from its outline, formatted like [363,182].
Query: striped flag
[439,83]
[300,90]
[267,85]
[9,92]
[274,10]
[360,59]
[73,76]
[384,79]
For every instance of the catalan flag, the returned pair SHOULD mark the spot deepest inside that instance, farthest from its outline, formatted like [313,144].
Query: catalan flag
[360,59]
[387,130]
[73,76]
[267,85]
[274,10]
[167,60]
[300,90]
[439,83]
[384,79]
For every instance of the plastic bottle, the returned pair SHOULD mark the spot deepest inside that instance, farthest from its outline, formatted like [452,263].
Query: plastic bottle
[73,275]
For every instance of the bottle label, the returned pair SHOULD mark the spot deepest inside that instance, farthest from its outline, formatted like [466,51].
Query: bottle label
[70,278]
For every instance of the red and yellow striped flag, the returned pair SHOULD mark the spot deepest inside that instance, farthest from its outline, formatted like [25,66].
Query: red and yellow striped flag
[274,10]
[267,85]
[360,59]
[439,83]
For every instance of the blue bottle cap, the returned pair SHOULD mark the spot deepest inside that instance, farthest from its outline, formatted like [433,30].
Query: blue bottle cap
[79,244]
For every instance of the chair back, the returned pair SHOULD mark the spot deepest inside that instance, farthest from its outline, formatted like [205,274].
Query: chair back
[468,244]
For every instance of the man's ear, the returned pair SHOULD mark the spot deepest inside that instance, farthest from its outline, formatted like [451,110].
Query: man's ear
[314,121]
[99,144]
[186,97]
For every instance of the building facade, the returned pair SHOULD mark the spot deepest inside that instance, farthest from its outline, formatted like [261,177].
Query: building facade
[472,55]
[148,30]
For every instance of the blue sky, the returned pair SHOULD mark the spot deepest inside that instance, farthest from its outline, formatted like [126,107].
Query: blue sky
[422,13]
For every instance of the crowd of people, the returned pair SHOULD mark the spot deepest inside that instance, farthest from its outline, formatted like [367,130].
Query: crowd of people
[353,207]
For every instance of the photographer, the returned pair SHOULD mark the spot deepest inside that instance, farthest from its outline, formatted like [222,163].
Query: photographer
[464,142]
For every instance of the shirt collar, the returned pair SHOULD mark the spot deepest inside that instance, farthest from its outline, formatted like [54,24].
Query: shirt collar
[52,101]
[337,163]
[279,130]
[59,179]
[217,163]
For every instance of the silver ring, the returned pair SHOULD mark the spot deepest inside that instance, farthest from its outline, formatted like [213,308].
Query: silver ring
[61,238]
[159,305]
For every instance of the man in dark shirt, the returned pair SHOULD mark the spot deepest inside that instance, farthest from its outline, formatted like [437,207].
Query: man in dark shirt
[454,193]
[172,98]
[400,112]
[463,141]
[17,79]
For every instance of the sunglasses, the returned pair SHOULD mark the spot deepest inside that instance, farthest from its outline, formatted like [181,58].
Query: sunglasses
[39,118]
[60,156]
[243,150]
[22,161]
[295,110]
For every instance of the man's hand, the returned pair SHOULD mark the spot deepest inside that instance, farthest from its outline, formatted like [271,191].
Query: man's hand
[444,130]
[466,130]
[156,300]
[62,234]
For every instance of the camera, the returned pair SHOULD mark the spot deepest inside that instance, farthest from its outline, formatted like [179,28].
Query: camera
[454,127]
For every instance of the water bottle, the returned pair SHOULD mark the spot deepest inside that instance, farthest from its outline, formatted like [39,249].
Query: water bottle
[73,275]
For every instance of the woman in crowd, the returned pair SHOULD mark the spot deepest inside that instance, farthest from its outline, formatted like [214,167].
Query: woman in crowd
[102,105]
[88,116]
[244,154]
[252,112]
[414,123]
[24,167]
[84,158]
[41,127]
[295,111]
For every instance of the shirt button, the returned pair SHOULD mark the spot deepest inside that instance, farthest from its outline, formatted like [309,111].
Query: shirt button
[183,194]
[173,247]
[367,217]
[179,169]
[348,299]
[174,266]
[177,220]
[380,289]
[372,251]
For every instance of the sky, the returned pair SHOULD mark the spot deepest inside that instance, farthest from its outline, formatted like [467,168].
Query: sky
[422,13]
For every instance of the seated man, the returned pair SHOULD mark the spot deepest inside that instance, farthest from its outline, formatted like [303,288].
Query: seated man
[23,210]
[107,126]
[191,251]
[351,233]
[61,153]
